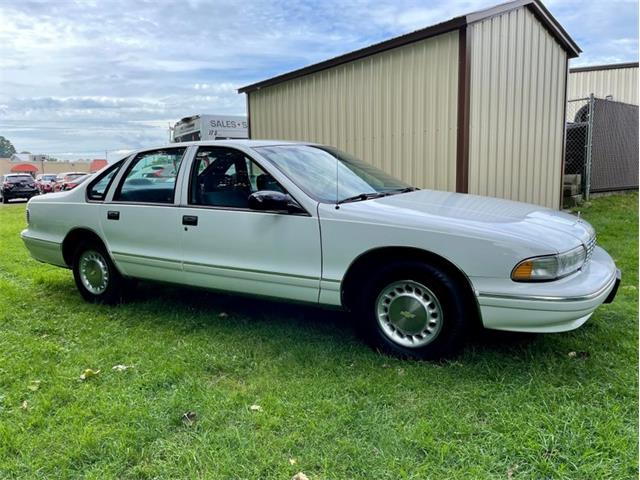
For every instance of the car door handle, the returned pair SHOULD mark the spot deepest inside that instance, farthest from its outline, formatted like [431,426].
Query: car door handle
[190,220]
[113,215]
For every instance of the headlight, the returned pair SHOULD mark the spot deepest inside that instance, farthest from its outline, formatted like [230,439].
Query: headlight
[549,267]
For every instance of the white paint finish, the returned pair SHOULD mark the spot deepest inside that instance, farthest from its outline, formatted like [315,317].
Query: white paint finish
[143,242]
[279,255]
[43,250]
[621,83]
[396,110]
[517,99]
[262,253]
[482,236]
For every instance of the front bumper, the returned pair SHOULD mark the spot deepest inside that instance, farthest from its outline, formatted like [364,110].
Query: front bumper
[546,307]
[614,291]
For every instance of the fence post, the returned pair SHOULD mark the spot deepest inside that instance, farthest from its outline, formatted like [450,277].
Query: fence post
[587,163]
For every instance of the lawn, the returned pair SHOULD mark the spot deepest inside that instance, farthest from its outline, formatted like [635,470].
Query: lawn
[278,389]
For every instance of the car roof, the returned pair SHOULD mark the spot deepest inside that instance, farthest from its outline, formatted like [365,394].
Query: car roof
[223,143]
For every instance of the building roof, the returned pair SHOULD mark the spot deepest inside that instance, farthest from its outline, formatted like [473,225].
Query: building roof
[96,164]
[610,66]
[21,157]
[23,167]
[535,6]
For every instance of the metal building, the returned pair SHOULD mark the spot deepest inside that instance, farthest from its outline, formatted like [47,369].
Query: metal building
[474,104]
[617,82]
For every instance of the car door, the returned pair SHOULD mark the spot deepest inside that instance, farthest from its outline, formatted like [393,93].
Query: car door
[225,245]
[140,220]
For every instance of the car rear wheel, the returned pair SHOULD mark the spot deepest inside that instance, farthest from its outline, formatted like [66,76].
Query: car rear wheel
[415,310]
[95,275]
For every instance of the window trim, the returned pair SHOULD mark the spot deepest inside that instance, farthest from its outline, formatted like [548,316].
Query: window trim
[194,164]
[130,165]
[115,166]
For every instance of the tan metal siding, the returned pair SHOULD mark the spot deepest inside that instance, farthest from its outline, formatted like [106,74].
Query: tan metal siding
[516,130]
[396,109]
[622,83]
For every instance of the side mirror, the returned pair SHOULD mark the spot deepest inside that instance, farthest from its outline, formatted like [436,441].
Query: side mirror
[270,200]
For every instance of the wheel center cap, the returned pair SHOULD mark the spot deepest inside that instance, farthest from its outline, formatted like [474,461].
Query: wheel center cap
[94,274]
[408,314]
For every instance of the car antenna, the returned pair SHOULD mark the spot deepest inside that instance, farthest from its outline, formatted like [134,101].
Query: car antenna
[337,197]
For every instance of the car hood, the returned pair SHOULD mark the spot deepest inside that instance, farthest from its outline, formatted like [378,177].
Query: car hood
[476,214]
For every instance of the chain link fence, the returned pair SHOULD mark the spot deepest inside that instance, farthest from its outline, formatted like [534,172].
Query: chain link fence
[578,150]
[601,149]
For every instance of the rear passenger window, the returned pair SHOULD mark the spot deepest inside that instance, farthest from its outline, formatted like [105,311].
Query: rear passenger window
[151,177]
[97,189]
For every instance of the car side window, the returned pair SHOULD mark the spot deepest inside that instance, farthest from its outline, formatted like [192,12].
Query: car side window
[97,190]
[224,177]
[151,177]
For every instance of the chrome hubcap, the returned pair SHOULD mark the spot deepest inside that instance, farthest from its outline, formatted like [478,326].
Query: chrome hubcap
[409,313]
[94,272]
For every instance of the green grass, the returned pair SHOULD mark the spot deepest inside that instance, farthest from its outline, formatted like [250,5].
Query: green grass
[511,406]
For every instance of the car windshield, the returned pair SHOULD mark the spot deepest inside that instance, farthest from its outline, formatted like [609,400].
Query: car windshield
[49,178]
[19,179]
[329,175]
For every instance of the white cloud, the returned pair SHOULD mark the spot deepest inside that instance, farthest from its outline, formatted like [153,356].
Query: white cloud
[89,76]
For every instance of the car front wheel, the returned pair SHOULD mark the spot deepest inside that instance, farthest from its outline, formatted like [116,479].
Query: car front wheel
[416,310]
[95,275]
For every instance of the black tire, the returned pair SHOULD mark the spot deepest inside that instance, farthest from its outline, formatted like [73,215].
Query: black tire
[113,289]
[456,317]
[5,199]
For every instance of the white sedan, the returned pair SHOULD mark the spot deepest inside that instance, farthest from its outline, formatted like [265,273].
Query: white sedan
[419,268]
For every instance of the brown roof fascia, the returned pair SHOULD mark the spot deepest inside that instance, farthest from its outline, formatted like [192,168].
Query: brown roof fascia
[539,10]
[542,14]
[395,42]
[610,66]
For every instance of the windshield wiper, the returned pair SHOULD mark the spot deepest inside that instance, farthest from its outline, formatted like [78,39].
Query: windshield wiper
[363,196]
[401,190]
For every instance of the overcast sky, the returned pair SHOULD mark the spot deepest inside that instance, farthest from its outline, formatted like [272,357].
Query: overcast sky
[79,78]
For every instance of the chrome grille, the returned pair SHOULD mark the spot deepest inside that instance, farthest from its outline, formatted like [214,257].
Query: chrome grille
[591,245]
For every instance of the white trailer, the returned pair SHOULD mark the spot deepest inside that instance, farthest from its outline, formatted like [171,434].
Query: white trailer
[210,127]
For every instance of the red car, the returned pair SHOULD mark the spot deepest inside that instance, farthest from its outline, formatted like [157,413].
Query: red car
[71,184]
[64,178]
[45,181]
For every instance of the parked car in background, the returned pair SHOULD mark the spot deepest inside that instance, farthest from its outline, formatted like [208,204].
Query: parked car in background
[45,181]
[17,185]
[420,269]
[73,183]
[66,177]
